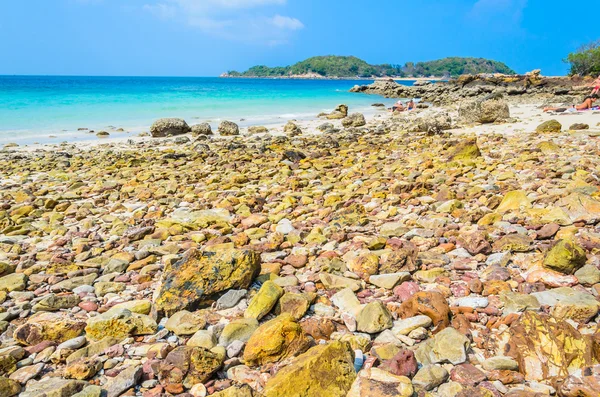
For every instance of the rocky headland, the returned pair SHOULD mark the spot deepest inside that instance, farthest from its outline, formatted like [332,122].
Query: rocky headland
[447,252]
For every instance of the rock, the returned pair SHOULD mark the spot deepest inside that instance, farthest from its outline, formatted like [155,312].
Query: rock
[241,329]
[141,306]
[189,365]
[393,229]
[185,323]
[432,123]
[429,303]
[549,126]
[9,387]
[201,129]
[53,387]
[83,369]
[257,130]
[124,381]
[324,370]
[429,377]
[377,383]
[102,134]
[579,126]
[584,383]
[25,374]
[52,303]
[490,109]
[90,391]
[264,300]
[500,363]
[403,363]
[204,275]
[340,112]
[516,303]
[467,375]
[47,326]
[374,318]
[448,345]
[228,128]
[564,350]
[390,280]
[567,303]
[275,340]
[354,120]
[119,323]
[292,129]
[169,126]
[331,281]
[404,327]
[588,275]
[13,282]
[514,200]
[565,257]
[294,304]
[202,338]
[467,149]
[230,299]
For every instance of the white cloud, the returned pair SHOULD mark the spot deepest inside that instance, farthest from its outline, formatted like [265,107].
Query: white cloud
[236,20]
[161,10]
[286,22]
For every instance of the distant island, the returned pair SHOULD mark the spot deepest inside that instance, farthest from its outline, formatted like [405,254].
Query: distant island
[353,67]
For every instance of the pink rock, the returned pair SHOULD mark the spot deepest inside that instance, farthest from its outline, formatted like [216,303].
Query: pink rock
[467,375]
[403,363]
[88,306]
[551,278]
[405,290]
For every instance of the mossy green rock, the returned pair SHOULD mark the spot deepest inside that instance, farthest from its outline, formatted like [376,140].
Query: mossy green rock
[549,126]
[565,257]
[52,303]
[201,276]
[48,326]
[264,300]
[323,371]
[235,391]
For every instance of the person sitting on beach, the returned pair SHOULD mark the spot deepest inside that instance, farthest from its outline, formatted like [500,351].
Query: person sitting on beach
[398,107]
[410,105]
[588,103]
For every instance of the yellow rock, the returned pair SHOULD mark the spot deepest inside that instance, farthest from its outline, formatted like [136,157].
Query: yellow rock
[513,201]
[264,300]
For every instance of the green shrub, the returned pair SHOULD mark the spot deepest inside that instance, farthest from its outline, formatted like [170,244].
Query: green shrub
[586,60]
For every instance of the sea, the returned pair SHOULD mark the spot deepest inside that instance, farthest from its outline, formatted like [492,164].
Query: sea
[55,109]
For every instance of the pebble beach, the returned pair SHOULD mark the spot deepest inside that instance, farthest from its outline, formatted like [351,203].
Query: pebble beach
[451,251]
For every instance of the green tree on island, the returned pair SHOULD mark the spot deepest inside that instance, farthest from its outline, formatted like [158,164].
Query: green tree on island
[586,60]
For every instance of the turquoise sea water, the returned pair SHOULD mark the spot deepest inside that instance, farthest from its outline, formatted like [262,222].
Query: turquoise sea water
[48,109]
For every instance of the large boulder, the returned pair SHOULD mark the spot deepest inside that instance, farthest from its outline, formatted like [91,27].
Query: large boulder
[340,112]
[549,126]
[433,123]
[546,347]
[169,126]
[200,277]
[201,129]
[354,120]
[324,370]
[489,109]
[228,128]
[119,323]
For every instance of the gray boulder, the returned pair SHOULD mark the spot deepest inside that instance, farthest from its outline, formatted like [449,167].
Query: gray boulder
[228,128]
[489,109]
[169,126]
[354,120]
[201,129]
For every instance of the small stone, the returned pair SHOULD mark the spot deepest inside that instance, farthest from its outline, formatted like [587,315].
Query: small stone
[185,323]
[429,377]
[374,318]
[264,300]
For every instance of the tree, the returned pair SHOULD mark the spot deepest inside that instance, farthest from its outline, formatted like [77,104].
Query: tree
[586,60]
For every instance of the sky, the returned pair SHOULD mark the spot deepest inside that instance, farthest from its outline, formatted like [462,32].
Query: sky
[208,37]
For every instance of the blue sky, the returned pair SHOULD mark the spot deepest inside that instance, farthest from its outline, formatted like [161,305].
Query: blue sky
[207,37]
